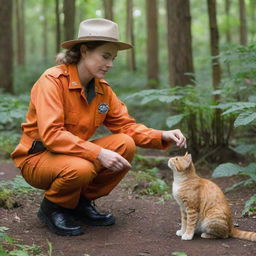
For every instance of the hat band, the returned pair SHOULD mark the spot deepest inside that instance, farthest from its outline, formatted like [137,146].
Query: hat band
[95,38]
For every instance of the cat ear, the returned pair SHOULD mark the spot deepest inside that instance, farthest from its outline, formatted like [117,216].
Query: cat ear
[188,160]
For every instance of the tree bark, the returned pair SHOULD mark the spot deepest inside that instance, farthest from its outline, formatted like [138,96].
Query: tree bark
[6,46]
[218,137]
[58,28]
[131,62]
[179,42]
[108,9]
[227,11]
[243,23]
[69,19]
[152,44]
[20,30]
[45,30]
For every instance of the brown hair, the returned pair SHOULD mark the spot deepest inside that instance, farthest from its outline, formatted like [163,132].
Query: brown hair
[73,55]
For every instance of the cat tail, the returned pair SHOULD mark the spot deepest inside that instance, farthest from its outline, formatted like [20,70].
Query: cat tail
[245,235]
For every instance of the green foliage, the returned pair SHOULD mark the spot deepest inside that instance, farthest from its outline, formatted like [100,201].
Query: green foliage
[9,190]
[14,248]
[179,254]
[12,113]
[250,206]
[149,180]
[230,169]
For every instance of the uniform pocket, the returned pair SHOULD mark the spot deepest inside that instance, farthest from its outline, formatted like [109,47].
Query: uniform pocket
[71,118]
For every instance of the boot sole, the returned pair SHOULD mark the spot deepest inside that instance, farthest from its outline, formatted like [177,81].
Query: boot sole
[43,218]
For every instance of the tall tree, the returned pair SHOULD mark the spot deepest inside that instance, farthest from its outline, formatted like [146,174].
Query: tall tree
[45,30]
[58,28]
[108,9]
[216,69]
[227,11]
[20,31]
[152,44]
[131,62]
[69,19]
[179,42]
[253,17]
[243,22]
[6,46]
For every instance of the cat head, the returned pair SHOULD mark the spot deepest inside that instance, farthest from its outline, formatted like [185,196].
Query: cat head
[180,163]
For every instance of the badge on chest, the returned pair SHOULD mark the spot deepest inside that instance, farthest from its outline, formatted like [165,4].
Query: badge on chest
[103,108]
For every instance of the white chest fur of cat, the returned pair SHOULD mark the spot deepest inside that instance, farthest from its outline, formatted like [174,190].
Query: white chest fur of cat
[203,206]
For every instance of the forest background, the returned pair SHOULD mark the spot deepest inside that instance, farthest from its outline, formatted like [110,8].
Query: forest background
[193,67]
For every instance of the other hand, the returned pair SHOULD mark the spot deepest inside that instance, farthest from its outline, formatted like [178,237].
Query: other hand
[112,160]
[176,136]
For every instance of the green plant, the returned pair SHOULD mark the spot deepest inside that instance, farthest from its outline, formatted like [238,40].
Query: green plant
[230,169]
[179,254]
[149,180]
[9,190]
[9,246]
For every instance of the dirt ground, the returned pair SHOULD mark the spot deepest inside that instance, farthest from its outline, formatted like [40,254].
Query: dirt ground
[145,226]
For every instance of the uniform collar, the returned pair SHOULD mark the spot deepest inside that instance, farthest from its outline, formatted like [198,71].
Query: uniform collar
[74,82]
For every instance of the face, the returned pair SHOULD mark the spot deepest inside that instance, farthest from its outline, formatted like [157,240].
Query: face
[97,62]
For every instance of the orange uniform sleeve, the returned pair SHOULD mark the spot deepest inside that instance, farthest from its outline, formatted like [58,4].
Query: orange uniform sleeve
[47,98]
[119,121]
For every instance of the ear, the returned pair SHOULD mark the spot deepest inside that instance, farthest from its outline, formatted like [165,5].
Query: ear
[188,160]
[83,49]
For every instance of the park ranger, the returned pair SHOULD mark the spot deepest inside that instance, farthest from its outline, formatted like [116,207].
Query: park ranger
[68,103]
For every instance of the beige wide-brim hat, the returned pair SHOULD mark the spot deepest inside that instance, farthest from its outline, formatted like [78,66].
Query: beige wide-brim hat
[97,29]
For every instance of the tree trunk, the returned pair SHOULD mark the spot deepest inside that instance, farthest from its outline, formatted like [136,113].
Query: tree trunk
[45,30]
[6,46]
[69,19]
[216,70]
[227,11]
[179,42]
[108,9]
[58,29]
[243,23]
[131,62]
[20,29]
[253,17]
[152,44]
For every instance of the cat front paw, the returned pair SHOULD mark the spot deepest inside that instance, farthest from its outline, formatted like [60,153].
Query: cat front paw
[187,236]
[179,232]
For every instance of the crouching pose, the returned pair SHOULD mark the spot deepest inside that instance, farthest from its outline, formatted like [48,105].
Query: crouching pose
[68,103]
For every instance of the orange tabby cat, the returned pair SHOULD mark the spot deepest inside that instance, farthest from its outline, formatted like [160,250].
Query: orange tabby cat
[204,208]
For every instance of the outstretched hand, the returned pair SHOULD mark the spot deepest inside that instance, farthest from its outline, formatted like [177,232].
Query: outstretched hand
[175,136]
[112,160]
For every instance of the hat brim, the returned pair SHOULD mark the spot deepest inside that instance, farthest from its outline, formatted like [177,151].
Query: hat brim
[71,43]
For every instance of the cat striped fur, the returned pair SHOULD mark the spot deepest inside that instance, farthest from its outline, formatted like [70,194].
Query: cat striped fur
[203,206]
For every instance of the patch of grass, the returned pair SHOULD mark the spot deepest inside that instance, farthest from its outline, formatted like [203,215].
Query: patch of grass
[148,179]
[9,246]
[10,190]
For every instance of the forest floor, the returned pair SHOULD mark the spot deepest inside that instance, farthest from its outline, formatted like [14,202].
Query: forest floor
[145,225]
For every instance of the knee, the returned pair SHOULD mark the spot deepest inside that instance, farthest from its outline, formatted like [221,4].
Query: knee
[128,143]
[79,172]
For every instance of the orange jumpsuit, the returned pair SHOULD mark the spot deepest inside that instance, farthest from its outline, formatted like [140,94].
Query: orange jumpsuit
[61,118]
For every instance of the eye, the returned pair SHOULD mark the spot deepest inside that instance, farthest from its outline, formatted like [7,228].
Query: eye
[106,57]
[176,159]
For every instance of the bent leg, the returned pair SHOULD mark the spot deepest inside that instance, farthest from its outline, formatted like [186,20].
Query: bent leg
[61,176]
[106,179]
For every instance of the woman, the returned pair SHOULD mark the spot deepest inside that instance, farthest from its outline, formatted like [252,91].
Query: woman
[67,104]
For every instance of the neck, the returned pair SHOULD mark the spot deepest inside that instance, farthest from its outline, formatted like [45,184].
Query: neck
[83,74]
[186,175]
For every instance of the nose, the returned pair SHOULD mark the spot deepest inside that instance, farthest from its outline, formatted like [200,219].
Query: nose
[110,64]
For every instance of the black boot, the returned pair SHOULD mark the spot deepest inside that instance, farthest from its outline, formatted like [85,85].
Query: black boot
[87,213]
[58,220]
